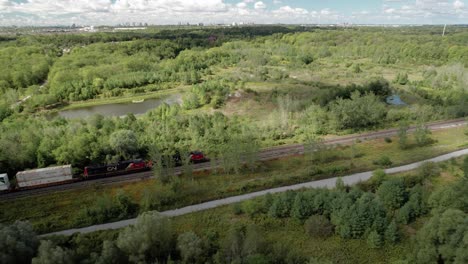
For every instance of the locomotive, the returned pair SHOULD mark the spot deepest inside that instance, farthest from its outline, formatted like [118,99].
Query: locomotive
[58,175]
[122,167]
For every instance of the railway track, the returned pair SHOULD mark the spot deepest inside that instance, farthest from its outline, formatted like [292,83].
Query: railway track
[265,154]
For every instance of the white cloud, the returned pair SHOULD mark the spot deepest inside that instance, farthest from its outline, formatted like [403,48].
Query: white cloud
[241,5]
[111,12]
[290,11]
[458,5]
[260,5]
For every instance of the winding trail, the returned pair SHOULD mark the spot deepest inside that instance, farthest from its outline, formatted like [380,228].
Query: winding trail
[327,183]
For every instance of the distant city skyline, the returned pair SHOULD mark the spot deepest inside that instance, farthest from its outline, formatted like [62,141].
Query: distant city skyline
[113,12]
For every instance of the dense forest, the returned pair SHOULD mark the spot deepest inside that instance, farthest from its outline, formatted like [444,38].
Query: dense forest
[316,83]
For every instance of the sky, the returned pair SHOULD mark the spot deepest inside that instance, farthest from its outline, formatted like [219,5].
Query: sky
[113,12]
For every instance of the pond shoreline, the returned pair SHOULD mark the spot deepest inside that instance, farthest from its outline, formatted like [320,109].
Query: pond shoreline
[120,100]
[121,108]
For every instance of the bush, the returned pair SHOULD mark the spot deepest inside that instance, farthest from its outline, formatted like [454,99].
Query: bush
[383,161]
[48,253]
[237,209]
[150,239]
[18,243]
[388,140]
[282,205]
[107,209]
[318,226]
[190,247]
[429,170]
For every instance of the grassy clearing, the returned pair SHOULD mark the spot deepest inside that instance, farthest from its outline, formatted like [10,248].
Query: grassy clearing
[60,210]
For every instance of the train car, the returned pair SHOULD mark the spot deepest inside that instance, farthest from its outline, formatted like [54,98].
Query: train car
[177,160]
[44,177]
[198,157]
[4,183]
[121,167]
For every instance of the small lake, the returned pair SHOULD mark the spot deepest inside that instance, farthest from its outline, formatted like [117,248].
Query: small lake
[121,109]
[395,100]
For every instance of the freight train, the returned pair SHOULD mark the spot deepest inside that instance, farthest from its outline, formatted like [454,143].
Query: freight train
[50,176]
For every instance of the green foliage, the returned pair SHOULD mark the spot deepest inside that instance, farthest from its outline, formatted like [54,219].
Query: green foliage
[190,247]
[111,254]
[392,193]
[107,209]
[18,243]
[392,234]
[374,240]
[48,253]
[429,170]
[378,177]
[358,112]
[465,167]
[282,205]
[383,161]
[415,206]
[403,135]
[150,239]
[124,143]
[21,72]
[422,135]
[357,68]
[340,185]
[243,245]
[402,79]
[443,238]
[318,226]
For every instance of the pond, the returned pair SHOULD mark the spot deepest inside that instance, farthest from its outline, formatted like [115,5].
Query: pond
[395,100]
[122,109]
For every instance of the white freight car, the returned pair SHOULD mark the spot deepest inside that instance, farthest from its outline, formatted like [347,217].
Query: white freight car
[44,177]
[4,182]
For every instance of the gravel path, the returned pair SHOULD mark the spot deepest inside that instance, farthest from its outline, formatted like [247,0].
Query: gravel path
[327,183]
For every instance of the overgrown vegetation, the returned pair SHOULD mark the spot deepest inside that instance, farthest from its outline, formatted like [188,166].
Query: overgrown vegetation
[382,214]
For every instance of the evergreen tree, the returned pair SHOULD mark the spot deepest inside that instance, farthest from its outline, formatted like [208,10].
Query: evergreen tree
[374,240]
[392,193]
[392,234]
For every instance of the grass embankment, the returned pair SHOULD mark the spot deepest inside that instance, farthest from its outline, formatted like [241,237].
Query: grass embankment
[61,210]
[290,232]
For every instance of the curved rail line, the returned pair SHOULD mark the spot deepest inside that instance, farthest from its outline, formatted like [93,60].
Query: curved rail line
[265,154]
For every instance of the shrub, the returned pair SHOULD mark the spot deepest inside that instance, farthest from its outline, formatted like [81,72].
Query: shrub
[18,243]
[237,209]
[150,239]
[318,226]
[190,247]
[383,161]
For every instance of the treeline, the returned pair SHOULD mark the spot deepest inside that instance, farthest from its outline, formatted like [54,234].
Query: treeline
[378,212]
[30,142]
[24,66]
